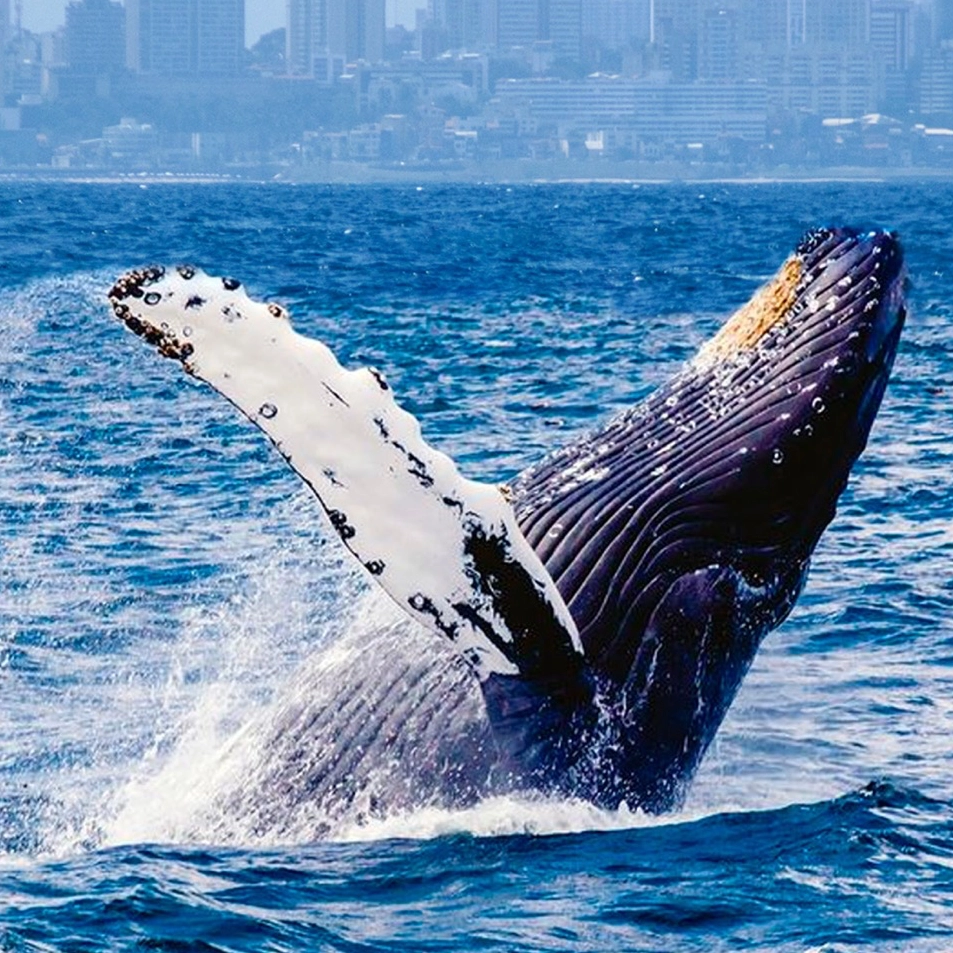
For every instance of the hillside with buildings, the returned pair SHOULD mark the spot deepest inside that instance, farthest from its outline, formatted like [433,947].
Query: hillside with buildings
[484,87]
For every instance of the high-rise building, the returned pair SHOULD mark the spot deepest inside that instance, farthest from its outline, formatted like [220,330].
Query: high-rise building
[674,37]
[719,44]
[893,39]
[936,83]
[786,24]
[220,29]
[523,23]
[845,23]
[4,36]
[832,82]
[518,23]
[768,23]
[942,20]
[463,23]
[616,24]
[185,37]
[95,37]
[892,32]
[325,35]
[563,27]
[365,30]
[158,36]
[299,37]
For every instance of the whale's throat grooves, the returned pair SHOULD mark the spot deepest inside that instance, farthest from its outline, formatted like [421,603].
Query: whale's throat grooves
[681,532]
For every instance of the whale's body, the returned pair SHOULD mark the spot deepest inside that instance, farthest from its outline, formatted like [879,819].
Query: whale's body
[599,613]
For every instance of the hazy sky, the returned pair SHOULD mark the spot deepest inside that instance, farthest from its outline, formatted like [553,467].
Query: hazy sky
[260,15]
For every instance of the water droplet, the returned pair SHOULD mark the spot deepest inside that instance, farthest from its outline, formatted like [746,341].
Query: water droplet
[153,297]
[777,457]
[818,405]
[187,332]
[671,401]
[268,411]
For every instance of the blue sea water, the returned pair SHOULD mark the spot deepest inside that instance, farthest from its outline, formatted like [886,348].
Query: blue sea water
[163,577]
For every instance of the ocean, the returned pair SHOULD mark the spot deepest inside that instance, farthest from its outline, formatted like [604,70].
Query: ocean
[164,577]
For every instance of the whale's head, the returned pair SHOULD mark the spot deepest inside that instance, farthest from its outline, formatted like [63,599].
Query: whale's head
[681,532]
[787,391]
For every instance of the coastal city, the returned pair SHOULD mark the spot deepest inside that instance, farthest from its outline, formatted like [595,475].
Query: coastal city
[504,89]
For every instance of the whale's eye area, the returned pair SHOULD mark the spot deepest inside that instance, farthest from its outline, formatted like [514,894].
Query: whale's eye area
[813,240]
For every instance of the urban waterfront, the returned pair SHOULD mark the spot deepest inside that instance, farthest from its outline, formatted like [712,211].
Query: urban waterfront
[482,89]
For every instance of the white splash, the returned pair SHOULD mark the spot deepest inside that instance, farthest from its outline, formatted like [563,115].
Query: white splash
[500,817]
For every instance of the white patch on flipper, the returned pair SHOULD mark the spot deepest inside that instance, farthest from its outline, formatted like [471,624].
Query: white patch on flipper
[398,504]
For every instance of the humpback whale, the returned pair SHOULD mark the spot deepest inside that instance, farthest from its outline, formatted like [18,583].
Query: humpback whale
[591,621]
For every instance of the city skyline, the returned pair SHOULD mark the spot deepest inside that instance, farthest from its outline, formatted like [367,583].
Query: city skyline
[261,16]
[752,83]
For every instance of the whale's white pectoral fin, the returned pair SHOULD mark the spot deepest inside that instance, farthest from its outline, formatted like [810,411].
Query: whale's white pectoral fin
[446,548]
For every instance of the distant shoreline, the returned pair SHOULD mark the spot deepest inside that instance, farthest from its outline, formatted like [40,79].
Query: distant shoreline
[567,172]
[515,172]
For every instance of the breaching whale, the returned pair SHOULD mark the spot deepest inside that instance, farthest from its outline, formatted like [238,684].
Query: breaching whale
[610,599]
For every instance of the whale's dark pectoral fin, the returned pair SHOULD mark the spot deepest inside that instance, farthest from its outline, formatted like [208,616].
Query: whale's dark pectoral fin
[448,550]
